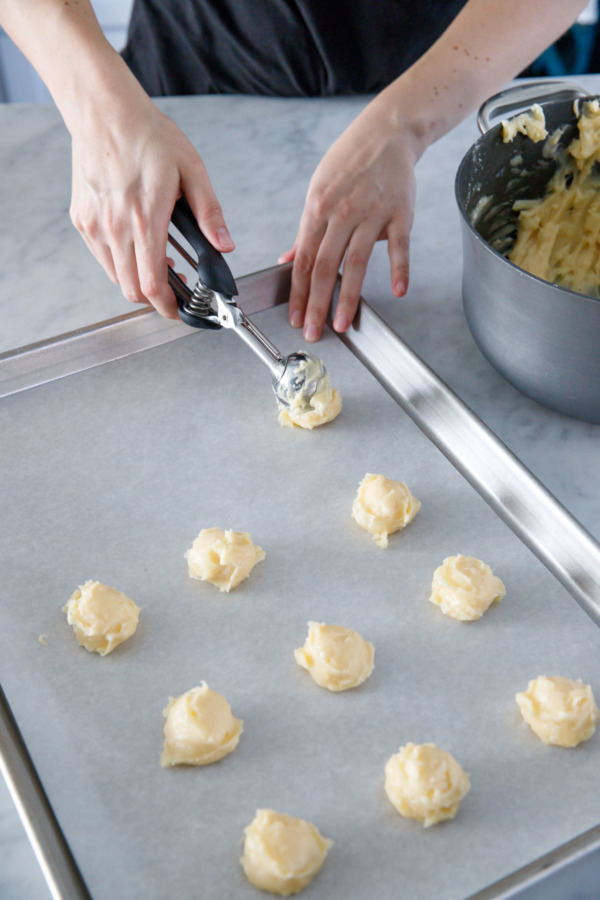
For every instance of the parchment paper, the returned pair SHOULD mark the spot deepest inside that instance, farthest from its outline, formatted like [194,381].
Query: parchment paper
[111,473]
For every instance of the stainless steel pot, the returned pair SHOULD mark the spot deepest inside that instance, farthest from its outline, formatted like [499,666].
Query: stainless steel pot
[542,338]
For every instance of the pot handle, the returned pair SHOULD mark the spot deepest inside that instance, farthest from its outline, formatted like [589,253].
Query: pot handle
[524,95]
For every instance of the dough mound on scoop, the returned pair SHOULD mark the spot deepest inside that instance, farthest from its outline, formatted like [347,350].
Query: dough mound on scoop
[282,854]
[200,728]
[337,658]
[383,506]
[102,617]
[224,558]
[323,406]
[560,711]
[464,587]
[425,783]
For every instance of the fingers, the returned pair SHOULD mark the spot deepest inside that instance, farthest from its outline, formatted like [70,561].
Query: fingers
[317,259]
[315,273]
[359,250]
[306,267]
[126,180]
[130,246]
[199,193]
[149,266]
[288,256]
[398,234]
[317,262]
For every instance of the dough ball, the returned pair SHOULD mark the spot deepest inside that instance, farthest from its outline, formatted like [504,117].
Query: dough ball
[102,618]
[337,658]
[223,557]
[383,506]
[282,854]
[560,711]
[200,728]
[464,587]
[323,406]
[425,783]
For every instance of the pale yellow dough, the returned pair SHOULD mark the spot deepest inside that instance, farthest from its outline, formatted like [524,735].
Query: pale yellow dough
[464,587]
[282,854]
[531,123]
[425,783]
[337,658]
[323,406]
[102,617]
[224,558]
[199,729]
[383,506]
[559,711]
[558,237]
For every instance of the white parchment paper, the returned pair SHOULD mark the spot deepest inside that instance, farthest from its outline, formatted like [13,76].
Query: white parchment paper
[110,474]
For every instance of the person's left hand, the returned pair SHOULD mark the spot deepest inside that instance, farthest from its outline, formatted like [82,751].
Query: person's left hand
[362,191]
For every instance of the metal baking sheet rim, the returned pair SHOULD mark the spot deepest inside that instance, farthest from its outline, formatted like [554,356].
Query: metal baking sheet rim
[527,507]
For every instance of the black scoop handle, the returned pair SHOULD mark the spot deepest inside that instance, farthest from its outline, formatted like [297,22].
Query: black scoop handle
[212,269]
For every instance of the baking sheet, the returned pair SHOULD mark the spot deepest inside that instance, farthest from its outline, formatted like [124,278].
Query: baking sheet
[111,473]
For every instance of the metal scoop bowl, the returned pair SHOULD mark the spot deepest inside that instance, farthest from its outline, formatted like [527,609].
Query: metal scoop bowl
[301,378]
[296,378]
[211,304]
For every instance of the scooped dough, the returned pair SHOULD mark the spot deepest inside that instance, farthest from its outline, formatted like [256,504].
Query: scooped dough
[464,587]
[282,854]
[559,710]
[337,658]
[309,412]
[223,557]
[200,728]
[102,617]
[425,783]
[383,506]
[558,237]
[531,123]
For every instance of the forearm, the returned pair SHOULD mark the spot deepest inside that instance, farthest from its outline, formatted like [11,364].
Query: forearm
[488,43]
[64,42]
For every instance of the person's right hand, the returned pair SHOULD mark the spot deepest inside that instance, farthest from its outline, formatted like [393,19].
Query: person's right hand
[130,165]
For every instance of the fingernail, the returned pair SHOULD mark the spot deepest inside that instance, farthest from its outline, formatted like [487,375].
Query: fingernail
[341,322]
[225,239]
[400,288]
[311,333]
[296,319]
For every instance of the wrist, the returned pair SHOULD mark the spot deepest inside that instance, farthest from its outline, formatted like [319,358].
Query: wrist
[104,95]
[422,109]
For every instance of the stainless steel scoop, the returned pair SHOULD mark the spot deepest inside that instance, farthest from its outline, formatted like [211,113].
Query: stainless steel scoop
[211,304]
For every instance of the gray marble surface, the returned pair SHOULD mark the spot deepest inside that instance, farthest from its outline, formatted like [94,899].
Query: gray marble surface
[261,153]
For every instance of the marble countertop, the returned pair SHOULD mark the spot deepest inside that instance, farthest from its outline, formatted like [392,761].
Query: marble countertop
[261,153]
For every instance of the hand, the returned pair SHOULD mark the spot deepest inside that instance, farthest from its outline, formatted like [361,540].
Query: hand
[129,168]
[362,191]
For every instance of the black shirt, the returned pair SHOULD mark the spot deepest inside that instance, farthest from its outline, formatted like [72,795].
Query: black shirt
[286,48]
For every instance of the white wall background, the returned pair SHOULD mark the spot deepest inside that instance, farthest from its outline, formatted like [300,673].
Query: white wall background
[20,83]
